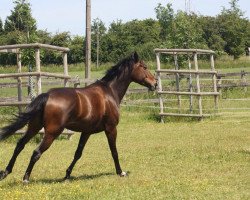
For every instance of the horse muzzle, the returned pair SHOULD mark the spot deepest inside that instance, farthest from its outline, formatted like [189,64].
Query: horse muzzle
[153,87]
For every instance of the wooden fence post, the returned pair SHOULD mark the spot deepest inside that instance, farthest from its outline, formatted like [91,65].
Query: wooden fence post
[177,80]
[214,81]
[65,68]
[190,86]
[19,79]
[38,69]
[244,80]
[158,62]
[219,83]
[198,83]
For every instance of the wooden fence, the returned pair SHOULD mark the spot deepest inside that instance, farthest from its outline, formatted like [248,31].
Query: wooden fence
[38,74]
[192,75]
[241,80]
[192,54]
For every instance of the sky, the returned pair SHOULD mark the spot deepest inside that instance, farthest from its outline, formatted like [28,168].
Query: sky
[69,15]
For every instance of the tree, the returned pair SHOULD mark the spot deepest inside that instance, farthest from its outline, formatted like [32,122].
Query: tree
[75,54]
[60,39]
[43,36]
[136,35]
[211,33]
[179,30]
[20,27]
[187,32]
[98,30]
[233,29]
[13,37]
[247,37]
[1,26]
[21,18]
[165,15]
[143,36]
[116,42]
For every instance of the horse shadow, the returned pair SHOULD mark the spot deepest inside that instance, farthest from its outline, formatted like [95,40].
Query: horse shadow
[17,183]
[74,178]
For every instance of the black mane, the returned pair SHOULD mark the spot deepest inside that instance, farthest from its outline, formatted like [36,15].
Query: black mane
[117,70]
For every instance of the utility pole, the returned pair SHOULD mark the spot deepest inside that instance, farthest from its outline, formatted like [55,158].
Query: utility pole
[188,6]
[88,40]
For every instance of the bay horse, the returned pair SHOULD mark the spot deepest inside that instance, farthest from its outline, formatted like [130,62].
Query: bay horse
[88,110]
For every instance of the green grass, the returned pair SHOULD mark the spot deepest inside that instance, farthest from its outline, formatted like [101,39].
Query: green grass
[181,159]
[175,160]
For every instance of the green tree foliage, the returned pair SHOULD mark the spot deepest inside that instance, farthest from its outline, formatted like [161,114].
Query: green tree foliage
[165,15]
[76,53]
[211,34]
[233,29]
[19,27]
[179,30]
[13,37]
[1,26]
[98,31]
[144,36]
[187,32]
[60,39]
[123,38]
[117,42]
[21,18]
[43,36]
[248,35]
[229,32]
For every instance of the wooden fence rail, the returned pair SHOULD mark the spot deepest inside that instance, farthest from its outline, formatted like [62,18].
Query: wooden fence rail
[37,74]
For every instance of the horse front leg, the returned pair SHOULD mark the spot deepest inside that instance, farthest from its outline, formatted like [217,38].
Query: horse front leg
[83,140]
[111,134]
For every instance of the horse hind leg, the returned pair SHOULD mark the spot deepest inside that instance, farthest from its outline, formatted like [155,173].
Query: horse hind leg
[32,130]
[49,137]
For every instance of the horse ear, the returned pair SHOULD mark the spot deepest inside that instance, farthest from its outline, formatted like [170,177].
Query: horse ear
[135,57]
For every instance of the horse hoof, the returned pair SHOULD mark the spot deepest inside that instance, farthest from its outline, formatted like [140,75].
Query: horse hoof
[123,174]
[66,178]
[25,181]
[3,175]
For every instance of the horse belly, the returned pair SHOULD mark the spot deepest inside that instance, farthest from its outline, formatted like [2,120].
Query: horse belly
[86,126]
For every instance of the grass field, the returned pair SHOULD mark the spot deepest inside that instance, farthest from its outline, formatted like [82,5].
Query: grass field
[175,160]
[181,159]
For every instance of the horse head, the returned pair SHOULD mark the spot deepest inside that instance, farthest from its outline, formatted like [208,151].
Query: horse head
[141,75]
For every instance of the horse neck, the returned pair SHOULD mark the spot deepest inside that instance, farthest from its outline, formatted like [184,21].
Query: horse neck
[119,87]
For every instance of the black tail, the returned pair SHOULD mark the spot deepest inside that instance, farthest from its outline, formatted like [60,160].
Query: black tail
[23,118]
